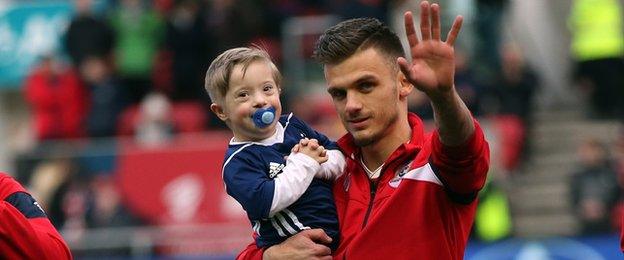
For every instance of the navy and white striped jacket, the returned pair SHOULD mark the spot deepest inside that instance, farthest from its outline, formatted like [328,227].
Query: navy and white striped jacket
[250,173]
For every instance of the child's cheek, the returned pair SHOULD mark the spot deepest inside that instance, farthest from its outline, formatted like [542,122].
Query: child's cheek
[243,112]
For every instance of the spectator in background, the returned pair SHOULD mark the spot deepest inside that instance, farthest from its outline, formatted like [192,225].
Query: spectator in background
[49,182]
[155,125]
[108,98]
[515,91]
[107,209]
[57,100]
[348,9]
[191,46]
[234,22]
[598,50]
[488,21]
[594,189]
[87,35]
[139,31]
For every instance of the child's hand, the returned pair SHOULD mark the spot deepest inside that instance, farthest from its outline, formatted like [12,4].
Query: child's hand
[310,147]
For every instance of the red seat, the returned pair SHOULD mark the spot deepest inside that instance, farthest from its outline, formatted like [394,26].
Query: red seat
[189,117]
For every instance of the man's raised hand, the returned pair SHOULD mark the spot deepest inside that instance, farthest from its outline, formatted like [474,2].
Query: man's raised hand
[433,61]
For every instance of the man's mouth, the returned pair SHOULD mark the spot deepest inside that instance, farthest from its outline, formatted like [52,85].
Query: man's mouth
[358,123]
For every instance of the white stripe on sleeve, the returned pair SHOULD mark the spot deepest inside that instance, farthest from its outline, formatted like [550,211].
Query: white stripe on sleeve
[293,181]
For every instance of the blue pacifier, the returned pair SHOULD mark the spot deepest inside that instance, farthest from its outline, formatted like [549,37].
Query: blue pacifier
[263,117]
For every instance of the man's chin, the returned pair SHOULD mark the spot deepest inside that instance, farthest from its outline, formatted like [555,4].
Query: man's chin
[363,140]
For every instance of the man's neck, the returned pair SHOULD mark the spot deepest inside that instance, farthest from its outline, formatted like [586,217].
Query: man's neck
[375,154]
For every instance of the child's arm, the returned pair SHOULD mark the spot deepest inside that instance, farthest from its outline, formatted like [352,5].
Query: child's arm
[262,196]
[293,181]
[334,167]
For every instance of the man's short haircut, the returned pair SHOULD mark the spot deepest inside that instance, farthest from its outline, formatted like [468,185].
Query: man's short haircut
[218,75]
[348,37]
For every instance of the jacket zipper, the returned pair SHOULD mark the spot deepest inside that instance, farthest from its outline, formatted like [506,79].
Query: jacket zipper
[373,191]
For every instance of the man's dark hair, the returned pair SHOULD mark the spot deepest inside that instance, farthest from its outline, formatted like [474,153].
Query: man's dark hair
[346,38]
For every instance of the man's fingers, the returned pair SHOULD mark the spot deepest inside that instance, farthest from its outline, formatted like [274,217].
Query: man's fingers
[295,149]
[452,35]
[425,27]
[435,22]
[405,67]
[317,235]
[321,250]
[410,31]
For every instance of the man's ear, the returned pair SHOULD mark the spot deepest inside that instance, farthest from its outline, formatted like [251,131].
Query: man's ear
[405,87]
[218,110]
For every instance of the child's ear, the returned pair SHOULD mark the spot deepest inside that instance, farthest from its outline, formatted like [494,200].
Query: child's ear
[218,110]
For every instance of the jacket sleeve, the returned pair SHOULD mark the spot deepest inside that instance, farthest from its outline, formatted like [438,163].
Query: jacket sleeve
[462,169]
[261,196]
[333,167]
[251,252]
[293,181]
[25,231]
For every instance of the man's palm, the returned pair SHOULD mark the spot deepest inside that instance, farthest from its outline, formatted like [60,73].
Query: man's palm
[433,65]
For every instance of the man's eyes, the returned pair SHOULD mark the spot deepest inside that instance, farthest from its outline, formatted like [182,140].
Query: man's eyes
[366,86]
[337,94]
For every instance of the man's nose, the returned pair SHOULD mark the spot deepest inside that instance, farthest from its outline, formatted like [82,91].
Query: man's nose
[353,103]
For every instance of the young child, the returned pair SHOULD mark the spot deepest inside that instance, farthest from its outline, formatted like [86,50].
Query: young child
[280,195]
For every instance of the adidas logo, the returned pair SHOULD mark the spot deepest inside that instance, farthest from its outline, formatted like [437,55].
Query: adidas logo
[275,169]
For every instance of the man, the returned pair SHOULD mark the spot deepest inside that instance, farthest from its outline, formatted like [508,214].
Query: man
[25,231]
[404,194]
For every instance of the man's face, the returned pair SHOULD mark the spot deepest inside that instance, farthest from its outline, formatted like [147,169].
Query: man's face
[365,92]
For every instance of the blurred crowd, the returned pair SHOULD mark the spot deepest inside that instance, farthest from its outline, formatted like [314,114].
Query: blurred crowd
[137,69]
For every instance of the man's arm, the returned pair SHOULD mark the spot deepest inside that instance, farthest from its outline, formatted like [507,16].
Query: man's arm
[460,153]
[307,244]
[28,238]
[25,231]
[432,70]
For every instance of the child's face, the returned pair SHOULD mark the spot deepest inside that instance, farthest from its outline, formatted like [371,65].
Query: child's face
[257,89]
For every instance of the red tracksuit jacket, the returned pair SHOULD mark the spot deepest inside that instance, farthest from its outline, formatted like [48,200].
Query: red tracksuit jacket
[25,231]
[422,206]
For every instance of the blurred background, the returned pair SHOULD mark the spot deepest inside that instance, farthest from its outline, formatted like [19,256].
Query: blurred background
[103,116]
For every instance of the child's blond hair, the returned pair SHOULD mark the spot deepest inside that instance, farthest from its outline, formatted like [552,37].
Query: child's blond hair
[218,74]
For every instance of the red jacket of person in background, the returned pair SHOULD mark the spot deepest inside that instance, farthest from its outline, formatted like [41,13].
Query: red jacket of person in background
[58,101]
[25,231]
